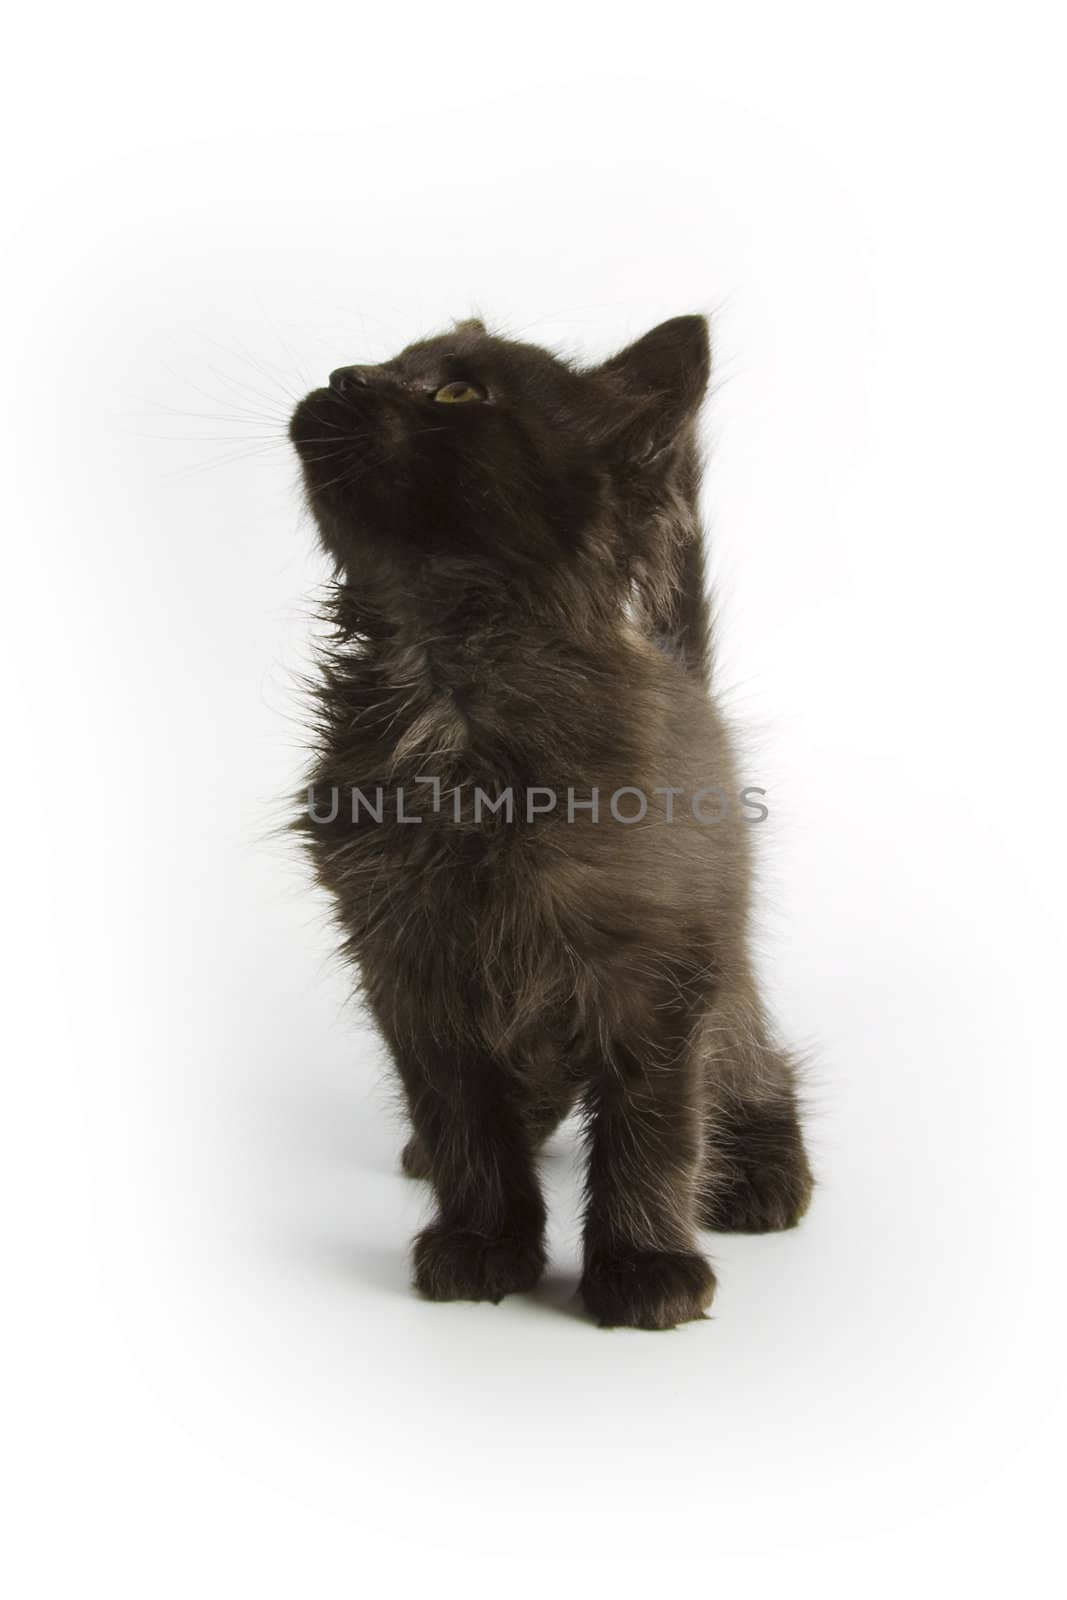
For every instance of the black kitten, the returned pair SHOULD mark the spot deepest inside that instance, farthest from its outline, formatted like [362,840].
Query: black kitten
[526,809]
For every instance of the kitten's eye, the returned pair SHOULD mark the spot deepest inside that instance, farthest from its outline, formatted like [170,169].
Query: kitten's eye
[458,394]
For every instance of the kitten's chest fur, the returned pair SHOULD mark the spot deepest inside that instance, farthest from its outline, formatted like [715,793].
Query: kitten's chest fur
[510,921]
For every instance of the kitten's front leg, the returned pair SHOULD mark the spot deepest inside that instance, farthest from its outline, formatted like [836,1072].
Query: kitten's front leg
[642,1269]
[488,1237]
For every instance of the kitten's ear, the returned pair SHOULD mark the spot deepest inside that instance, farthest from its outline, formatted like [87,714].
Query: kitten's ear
[661,378]
[469,325]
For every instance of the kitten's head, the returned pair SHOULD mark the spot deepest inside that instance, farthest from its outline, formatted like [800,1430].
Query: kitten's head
[493,454]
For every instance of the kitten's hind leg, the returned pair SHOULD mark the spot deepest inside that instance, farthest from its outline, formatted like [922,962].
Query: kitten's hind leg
[755,1176]
[414,1160]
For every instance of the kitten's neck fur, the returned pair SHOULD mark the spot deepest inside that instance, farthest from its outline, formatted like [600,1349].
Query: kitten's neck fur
[455,614]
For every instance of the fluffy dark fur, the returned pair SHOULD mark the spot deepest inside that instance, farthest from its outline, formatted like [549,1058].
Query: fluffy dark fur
[520,603]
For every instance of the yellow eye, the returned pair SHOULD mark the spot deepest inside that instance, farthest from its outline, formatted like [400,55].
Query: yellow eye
[457,394]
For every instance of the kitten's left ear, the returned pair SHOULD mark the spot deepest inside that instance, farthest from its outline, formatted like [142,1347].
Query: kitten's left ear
[661,378]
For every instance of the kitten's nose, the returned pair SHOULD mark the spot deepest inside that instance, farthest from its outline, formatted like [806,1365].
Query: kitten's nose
[346,379]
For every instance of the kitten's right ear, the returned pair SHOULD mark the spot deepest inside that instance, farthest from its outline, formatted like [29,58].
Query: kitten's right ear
[660,380]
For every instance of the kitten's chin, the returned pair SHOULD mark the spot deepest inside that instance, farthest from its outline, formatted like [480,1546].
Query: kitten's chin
[316,417]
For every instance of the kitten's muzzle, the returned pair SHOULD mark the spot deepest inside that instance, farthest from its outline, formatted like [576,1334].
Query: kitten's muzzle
[346,381]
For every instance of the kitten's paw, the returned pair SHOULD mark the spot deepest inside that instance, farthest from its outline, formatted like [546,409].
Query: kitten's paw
[761,1197]
[451,1264]
[414,1162]
[647,1288]
[758,1177]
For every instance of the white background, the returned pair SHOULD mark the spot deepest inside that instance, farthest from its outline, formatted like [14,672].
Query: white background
[220,1383]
